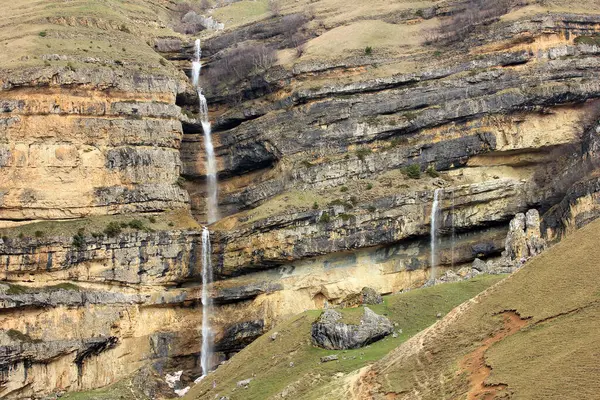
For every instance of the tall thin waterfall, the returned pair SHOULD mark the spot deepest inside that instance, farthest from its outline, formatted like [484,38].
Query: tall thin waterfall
[212,211]
[211,162]
[434,228]
[453,228]
[207,276]
[196,65]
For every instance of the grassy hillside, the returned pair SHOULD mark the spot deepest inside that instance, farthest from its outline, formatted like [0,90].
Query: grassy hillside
[533,336]
[33,32]
[269,362]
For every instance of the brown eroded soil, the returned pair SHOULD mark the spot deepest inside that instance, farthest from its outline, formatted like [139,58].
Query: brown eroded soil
[477,368]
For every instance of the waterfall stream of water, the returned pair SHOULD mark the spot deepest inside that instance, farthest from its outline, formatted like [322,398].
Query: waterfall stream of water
[453,229]
[433,234]
[212,212]
[207,275]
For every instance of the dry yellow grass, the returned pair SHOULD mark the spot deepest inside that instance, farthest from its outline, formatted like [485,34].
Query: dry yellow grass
[553,357]
[31,30]
[268,361]
[384,38]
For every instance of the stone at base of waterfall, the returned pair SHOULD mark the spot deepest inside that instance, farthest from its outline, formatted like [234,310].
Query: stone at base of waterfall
[479,265]
[329,333]
[500,266]
[182,392]
[173,379]
[366,296]
[462,274]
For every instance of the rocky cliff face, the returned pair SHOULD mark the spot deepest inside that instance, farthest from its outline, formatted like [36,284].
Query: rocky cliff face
[71,153]
[83,317]
[327,163]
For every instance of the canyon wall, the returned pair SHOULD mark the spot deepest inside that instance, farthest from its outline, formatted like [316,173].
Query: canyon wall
[327,171]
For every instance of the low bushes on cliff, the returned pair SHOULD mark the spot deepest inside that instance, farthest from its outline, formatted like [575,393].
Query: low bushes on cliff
[474,13]
[189,20]
[238,63]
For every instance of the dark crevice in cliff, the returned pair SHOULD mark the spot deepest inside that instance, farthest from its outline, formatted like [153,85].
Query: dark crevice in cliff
[225,124]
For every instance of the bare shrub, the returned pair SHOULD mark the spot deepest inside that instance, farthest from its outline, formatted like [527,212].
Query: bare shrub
[300,48]
[275,7]
[189,19]
[293,33]
[166,45]
[475,13]
[185,7]
[190,23]
[239,63]
[298,42]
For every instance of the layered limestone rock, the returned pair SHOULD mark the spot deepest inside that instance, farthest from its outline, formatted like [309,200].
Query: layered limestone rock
[69,154]
[327,174]
[493,123]
[144,258]
[85,316]
[524,237]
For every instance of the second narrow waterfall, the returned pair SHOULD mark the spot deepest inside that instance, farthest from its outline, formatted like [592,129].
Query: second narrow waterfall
[207,276]
[434,228]
[212,213]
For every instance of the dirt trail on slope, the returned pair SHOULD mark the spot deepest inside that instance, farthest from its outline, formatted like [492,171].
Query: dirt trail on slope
[474,363]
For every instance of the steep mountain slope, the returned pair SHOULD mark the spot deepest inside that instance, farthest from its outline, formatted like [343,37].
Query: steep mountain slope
[289,366]
[533,336]
[90,133]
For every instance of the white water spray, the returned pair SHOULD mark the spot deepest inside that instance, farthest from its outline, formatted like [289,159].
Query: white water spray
[212,201]
[434,228]
[196,64]
[207,276]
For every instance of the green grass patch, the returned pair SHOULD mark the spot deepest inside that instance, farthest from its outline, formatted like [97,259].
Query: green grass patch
[95,226]
[345,217]
[556,293]
[19,336]
[363,152]
[412,171]
[325,218]
[124,389]
[589,40]
[432,172]
[20,289]
[270,360]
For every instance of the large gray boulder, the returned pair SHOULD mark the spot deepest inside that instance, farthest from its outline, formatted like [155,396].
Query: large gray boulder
[329,333]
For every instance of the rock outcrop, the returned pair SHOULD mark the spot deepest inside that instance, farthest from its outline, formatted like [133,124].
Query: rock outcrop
[524,238]
[329,332]
[366,296]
